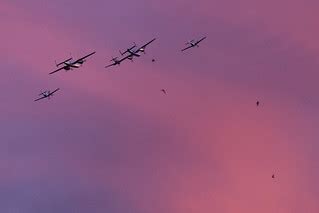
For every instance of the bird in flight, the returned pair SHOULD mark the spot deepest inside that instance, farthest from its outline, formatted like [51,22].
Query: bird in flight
[257,103]
[164,91]
[273,176]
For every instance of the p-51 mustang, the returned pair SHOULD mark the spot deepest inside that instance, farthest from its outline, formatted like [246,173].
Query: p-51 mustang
[69,64]
[193,43]
[47,94]
[133,51]
[116,61]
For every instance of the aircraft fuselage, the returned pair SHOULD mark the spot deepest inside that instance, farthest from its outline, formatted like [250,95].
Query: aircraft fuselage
[69,66]
[46,93]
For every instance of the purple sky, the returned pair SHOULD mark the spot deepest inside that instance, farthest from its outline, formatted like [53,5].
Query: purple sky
[110,141]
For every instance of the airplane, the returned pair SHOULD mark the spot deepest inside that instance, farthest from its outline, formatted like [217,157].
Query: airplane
[47,94]
[69,64]
[134,52]
[116,61]
[193,43]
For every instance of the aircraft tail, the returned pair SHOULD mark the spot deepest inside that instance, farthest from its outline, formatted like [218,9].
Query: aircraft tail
[58,64]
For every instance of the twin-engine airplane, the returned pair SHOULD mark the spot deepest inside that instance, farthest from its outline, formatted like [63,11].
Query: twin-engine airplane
[193,43]
[133,51]
[69,64]
[46,94]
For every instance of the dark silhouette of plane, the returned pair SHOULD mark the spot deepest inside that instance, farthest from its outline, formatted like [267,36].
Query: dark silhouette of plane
[193,43]
[69,64]
[257,103]
[47,94]
[164,91]
[116,61]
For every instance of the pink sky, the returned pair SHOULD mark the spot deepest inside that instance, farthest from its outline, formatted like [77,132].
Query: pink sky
[110,141]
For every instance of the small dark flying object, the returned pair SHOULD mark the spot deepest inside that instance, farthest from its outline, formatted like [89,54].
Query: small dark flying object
[47,94]
[273,176]
[116,61]
[257,103]
[193,43]
[153,60]
[164,91]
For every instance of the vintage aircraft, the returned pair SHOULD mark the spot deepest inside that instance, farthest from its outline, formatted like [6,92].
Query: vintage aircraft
[116,61]
[69,64]
[134,52]
[47,94]
[193,43]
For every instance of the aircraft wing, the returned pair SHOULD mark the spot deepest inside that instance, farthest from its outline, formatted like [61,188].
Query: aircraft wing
[40,98]
[142,47]
[110,65]
[83,58]
[186,48]
[54,91]
[61,68]
[200,40]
